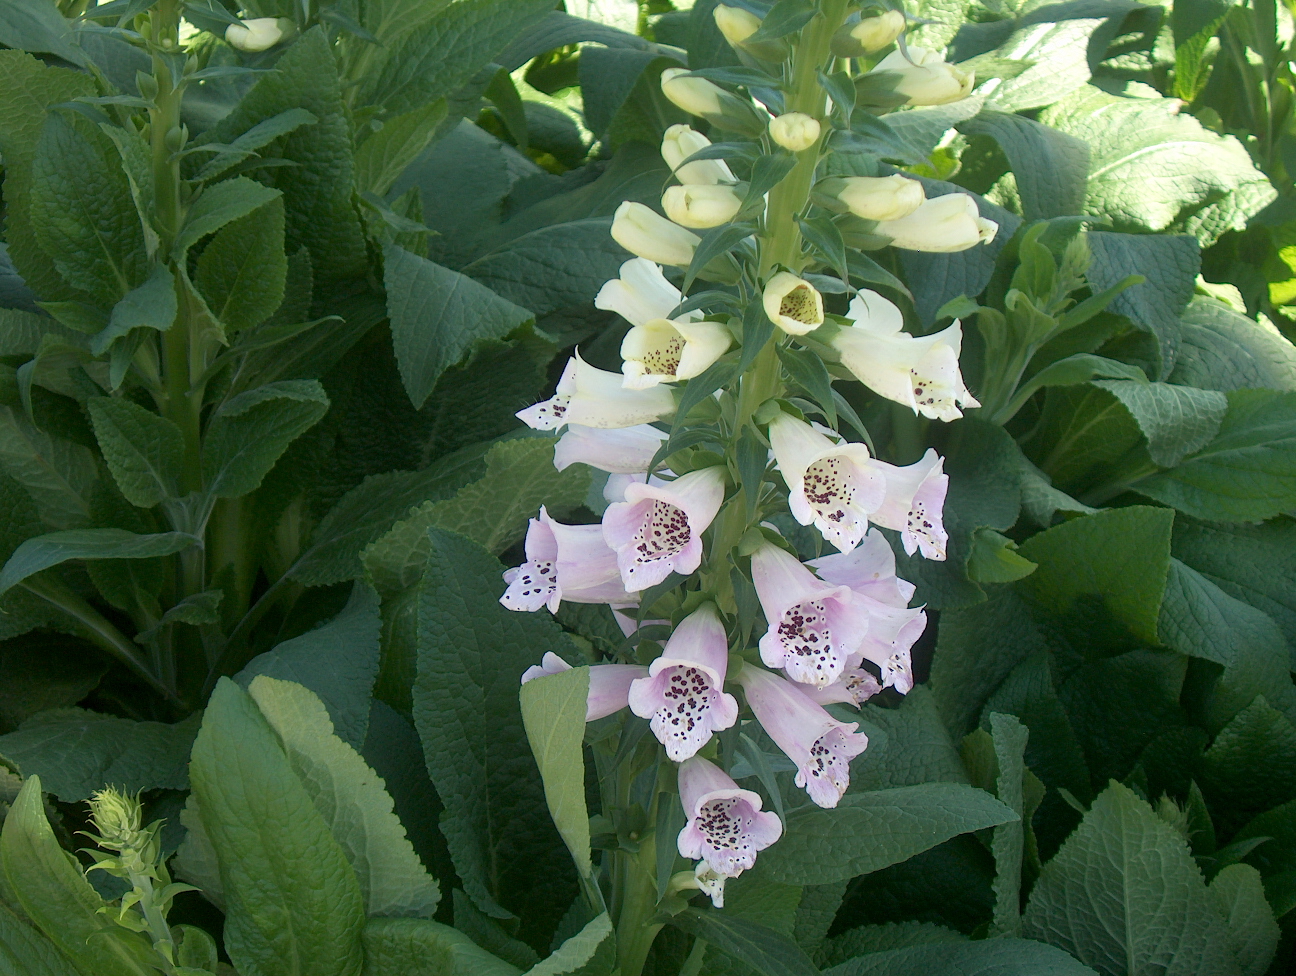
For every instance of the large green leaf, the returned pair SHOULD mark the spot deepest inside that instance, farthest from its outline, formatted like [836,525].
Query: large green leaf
[991,957]
[916,748]
[1154,169]
[55,895]
[418,947]
[317,188]
[1247,473]
[250,432]
[868,831]
[1124,896]
[1059,63]
[24,950]
[76,752]
[764,950]
[1049,166]
[471,655]
[294,906]
[27,90]
[83,212]
[1220,349]
[1251,765]
[383,156]
[338,661]
[58,474]
[553,713]
[493,512]
[865,940]
[352,799]
[1175,420]
[242,270]
[590,952]
[436,317]
[1240,899]
[144,452]
[37,25]
[53,548]
[443,54]
[1009,737]
[1121,557]
[220,204]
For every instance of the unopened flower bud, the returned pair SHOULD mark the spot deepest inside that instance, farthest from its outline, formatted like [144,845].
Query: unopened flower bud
[871,197]
[259,34]
[868,35]
[793,304]
[679,143]
[703,205]
[735,23]
[794,131]
[922,78]
[647,234]
[697,96]
[944,224]
[117,818]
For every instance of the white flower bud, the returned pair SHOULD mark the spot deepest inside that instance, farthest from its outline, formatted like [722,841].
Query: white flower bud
[647,234]
[941,225]
[681,142]
[793,304]
[794,131]
[735,23]
[875,33]
[697,96]
[703,205]
[924,78]
[259,34]
[881,197]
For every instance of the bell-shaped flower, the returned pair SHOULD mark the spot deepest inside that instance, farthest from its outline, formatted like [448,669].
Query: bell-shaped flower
[868,34]
[793,304]
[596,398]
[702,205]
[651,236]
[854,687]
[663,351]
[683,696]
[830,484]
[259,33]
[735,23]
[940,225]
[881,198]
[640,294]
[658,529]
[920,372]
[609,684]
[820,746]
[915,503]
[564,562]
[627,450]
[869,569]
[709,883]
[814,626]
[794,131]
[922,77]
[697,96]
[726,826]
[679,143]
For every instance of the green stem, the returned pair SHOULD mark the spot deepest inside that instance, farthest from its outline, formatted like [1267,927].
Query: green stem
[635,933]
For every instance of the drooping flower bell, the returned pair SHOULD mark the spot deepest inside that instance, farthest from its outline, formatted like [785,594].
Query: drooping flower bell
[700,97]
[609,684]
[914,504]
[830,484]
[941,225]
[920,76]
[882,198]
[793,304]
[920,372]
[726,827]
[702,205]
[658,529]
[814,627]
[682,141]
[683,696]
[564,562]
[868,34]
[819,745]
[649,235]
[626,450]
[596,398]
[794,131]
[259,33]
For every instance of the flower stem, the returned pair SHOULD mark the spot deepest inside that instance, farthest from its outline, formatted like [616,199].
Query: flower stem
[635,933]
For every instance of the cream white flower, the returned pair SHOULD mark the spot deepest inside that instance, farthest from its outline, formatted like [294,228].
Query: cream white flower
[596,398]
[941,225]
[697,96]
[921,372]
[259,34]
[735,23]
[875,33]
[794,131]
[701,205]
[679,143]
[879,197]
[793,304]
[663,351]
[924,77]
[640,294]
[830,485]
[646,233]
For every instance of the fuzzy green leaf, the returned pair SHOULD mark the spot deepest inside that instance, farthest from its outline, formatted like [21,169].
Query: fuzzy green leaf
[144,452]
[250,432]
[53,548]
[418,947]
[242,271]
[553,712]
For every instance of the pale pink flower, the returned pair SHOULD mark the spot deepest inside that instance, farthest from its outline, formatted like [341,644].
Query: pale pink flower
[564,562]
[914,504]
[683,694]
[609,684]
[595,398]
[829,484]
[814,627]
[854,687]
[628,450]
[658,528]
[726,827]
[819,745]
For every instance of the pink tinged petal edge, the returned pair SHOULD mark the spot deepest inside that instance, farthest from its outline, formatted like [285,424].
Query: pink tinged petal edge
[535,583]
[819,745]
[725,824]
[609,688]
[868,569]
[626,450]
